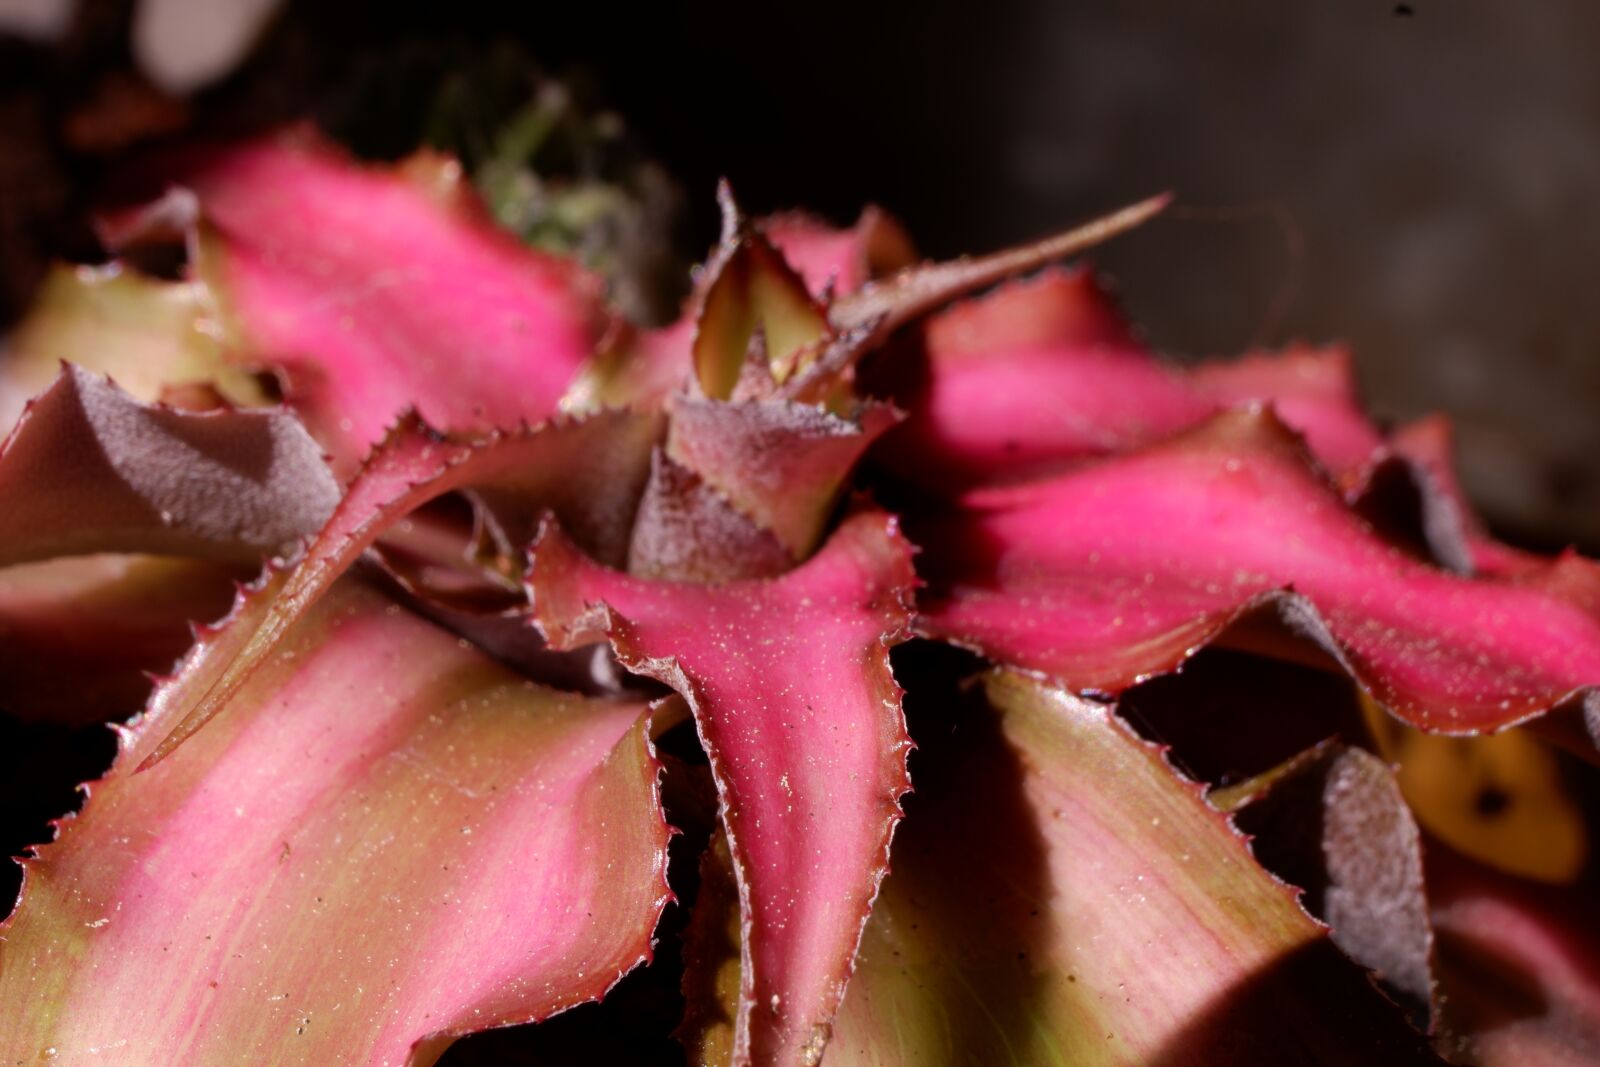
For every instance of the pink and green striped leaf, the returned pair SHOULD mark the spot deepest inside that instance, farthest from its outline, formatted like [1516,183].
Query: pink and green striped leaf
[385,841]
[790,687]
[1118,570]
[1061,896]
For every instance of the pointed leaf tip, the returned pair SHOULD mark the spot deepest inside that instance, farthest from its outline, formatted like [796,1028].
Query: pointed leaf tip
[894,301]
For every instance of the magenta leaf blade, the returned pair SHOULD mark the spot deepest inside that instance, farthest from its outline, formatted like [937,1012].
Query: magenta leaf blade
[1119,570]
[365,287]
[789,683]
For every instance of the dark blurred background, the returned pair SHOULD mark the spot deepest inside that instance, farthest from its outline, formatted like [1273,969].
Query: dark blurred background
[1416,179]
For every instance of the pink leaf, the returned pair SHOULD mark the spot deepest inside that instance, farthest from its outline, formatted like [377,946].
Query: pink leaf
[790,687]
[1311,389]
[366,289]
[840,261]
[1121,569]
[386,841]
[1056,308]
[1041,375]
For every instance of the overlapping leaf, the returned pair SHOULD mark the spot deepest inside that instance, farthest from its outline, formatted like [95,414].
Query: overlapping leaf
[811,339]
[1429,446]
[385,841]
[781,464]
[148,335]
[1043,374]
[1333,823]
[1056,308]
[1117,570]
[79,637]
[791,691]
[588,471]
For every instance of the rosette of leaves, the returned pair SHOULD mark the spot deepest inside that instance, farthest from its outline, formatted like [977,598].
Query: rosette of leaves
[1238,740]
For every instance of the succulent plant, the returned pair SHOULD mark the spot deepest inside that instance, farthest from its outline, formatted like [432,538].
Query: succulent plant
[1207,674]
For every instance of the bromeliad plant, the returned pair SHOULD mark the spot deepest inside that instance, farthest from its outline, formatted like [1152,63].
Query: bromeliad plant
[409,787]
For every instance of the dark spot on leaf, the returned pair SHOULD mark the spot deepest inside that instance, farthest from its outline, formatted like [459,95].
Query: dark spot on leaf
[1491,802]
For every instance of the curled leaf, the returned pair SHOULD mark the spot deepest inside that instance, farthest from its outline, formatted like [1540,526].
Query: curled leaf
[385,841]
[780,463]
[751,291]
[791,691]
[1429,446]
[1334,824]
[90,469]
